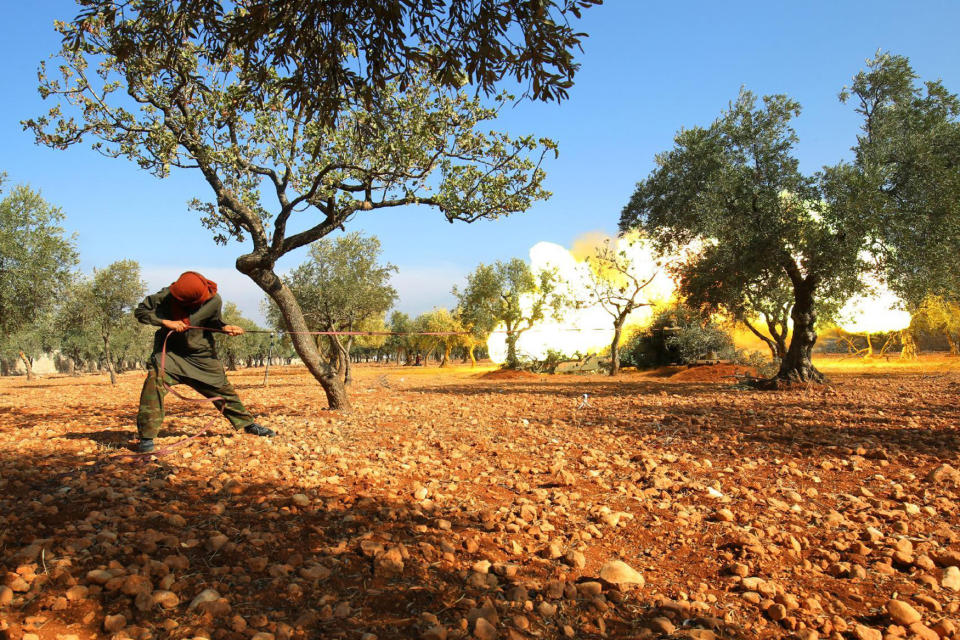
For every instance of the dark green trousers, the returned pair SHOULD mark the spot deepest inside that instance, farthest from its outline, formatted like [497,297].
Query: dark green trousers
[150,415]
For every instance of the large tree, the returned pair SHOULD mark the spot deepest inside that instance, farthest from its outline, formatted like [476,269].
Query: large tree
[205,87]
[735,185]
[511,294]
[330,56]
[341,287]
[905,178]
[36,258]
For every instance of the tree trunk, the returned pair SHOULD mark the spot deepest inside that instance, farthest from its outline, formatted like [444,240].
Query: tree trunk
[615,348]
[512,361]
[305,347]
[797,364]
[954,347]
[109,360]
[347,370]
[473,358]
[446,356]
[28,366]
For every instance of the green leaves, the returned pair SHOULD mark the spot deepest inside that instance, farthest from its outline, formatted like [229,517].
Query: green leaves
[36,258]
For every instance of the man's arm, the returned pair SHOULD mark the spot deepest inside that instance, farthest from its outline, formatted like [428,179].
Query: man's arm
[146,311]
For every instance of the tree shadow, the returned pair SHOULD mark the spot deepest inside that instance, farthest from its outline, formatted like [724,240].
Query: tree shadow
[296,561]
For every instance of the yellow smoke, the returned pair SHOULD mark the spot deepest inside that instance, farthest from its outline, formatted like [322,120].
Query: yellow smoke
[588,328]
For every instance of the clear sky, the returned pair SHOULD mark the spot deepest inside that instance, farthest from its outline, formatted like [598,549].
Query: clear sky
[648,69]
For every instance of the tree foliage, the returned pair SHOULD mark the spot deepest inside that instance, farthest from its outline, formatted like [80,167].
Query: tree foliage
[905,180]
[248,349]
[36,259]
[154,82]
[734,191]
[343,287]
[615,282]
[334,55]
[114,291]
[511,294]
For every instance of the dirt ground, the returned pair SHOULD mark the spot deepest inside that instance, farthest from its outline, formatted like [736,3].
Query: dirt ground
[449,505]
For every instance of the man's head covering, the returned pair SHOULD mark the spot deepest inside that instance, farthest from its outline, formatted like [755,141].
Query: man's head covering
[192,289]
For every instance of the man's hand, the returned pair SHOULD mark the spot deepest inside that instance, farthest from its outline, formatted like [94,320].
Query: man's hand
[177,326]
[233,330]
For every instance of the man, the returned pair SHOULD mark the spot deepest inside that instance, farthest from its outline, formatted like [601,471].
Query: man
[191,358]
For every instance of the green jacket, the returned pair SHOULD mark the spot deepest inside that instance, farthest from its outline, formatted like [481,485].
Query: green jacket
[190,344]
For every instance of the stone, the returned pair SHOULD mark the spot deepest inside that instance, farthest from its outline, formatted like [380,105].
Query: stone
[207,595]
[17,583]
[134,584]
[99,576]
[590,589]
[388,563]
[112,624]
[662,624]
[575,559]
[619,573]
[166,599]
[483,630]
[944,474]
[925,632]
[76,593]
[300,500]
[951,578]
[902,613]
[777,612]
[262,635]
[6,595]
[436,632]
[861,632]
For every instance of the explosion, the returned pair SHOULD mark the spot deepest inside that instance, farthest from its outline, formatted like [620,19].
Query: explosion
[878,311]
[585,327]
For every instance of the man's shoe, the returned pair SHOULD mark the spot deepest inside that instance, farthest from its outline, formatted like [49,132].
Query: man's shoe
[259,430]
[146,445]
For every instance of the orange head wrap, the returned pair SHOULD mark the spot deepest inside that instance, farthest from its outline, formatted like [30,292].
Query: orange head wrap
[193,289]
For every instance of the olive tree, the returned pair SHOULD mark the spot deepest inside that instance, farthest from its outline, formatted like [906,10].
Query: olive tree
[904,181]
[114,291]
[36,258]
[162,86]
[615,281]
[735,186]
[511,294]
[340,287]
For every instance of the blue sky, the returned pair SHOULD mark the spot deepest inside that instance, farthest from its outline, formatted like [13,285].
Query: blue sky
[648,69]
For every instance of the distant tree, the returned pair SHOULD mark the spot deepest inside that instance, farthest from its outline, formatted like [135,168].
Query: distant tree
[440,321]
[376,338]
[341,287]
[76,332]
[939,315]
[736,186]
[131,344]
[512,294]
[165,86]
[473,335]
[616,282]
[400,324]
[36,258]
[114,291]
[248,348]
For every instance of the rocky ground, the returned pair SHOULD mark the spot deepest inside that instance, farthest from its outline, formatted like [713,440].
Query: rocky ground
[449,505]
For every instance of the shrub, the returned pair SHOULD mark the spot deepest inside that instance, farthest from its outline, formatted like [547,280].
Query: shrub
[679,335]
